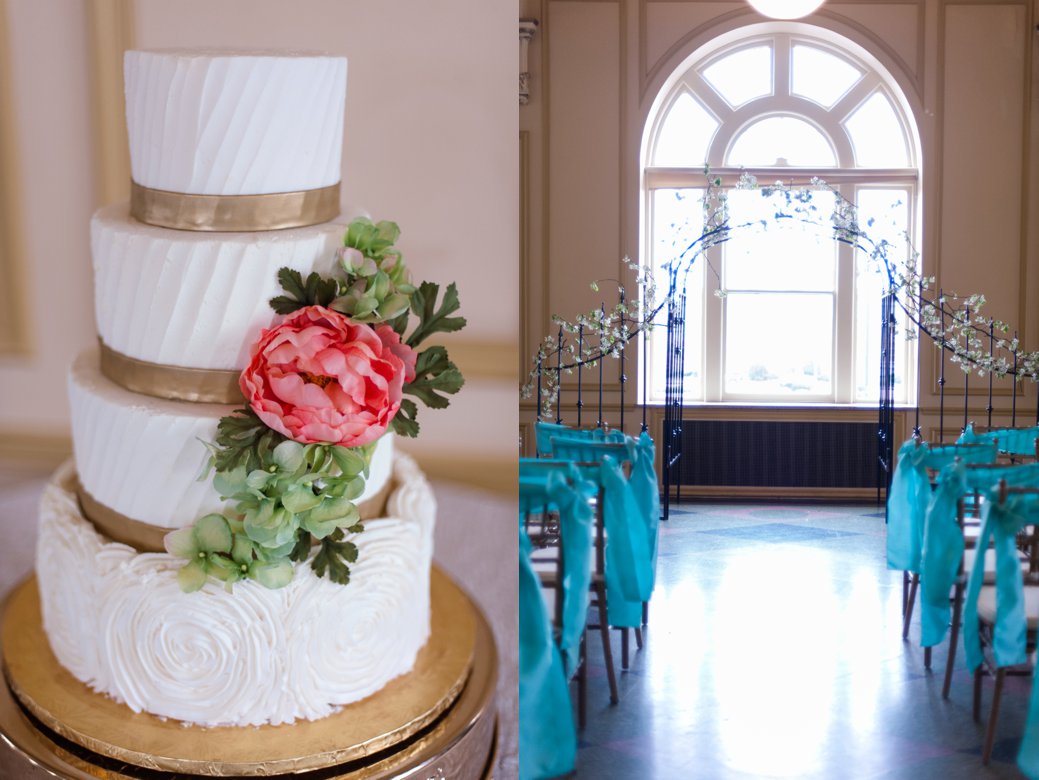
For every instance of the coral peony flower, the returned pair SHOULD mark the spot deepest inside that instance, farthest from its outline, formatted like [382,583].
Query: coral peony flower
[319,377]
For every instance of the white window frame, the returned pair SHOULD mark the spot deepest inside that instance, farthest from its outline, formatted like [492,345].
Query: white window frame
[846,178]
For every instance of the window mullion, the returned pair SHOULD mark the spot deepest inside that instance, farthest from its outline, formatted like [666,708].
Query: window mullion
[844,318]
[713,327]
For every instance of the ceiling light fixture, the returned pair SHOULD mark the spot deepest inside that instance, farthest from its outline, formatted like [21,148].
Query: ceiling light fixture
[785,9]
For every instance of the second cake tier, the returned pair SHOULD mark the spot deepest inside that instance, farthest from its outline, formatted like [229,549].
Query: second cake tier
[141,457]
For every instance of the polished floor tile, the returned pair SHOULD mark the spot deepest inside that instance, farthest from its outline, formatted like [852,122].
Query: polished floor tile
[774,650]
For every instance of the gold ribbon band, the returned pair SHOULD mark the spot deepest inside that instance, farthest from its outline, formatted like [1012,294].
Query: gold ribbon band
[174,383]
[144,537]
[233,213]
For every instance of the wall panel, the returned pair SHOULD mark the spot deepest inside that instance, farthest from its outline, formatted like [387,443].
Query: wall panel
[584,153]
[983,157]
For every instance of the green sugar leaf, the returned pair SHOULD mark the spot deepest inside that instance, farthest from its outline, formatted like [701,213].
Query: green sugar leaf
[332,559]
[301,549]
[403,423]
[436,377]
[432,319]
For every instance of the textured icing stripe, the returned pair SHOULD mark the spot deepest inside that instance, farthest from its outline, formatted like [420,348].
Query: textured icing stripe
[197,300]
[234,125]
[119,622]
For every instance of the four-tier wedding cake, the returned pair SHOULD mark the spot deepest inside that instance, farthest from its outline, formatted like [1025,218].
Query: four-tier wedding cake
[237,541]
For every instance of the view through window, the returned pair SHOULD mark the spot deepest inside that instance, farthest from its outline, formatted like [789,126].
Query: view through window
[781,312]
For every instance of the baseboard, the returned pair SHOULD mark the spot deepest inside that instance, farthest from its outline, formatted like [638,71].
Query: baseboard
[35,449]
[721,492]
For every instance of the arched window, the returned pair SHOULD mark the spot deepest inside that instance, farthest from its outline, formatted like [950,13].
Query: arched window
[782,314]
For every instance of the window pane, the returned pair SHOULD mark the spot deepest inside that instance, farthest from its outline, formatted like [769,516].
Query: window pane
[742,75]
[677,222]
[884,216]
[782,140]
[821,76]
[778,344]
[685,135]
[876,135]
[784,254]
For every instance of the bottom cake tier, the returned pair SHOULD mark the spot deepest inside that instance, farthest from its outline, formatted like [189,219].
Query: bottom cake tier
[119,622]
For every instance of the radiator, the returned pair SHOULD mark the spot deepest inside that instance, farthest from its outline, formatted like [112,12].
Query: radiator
[768,454]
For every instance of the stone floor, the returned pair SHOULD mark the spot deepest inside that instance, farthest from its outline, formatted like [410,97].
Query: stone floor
[774,650]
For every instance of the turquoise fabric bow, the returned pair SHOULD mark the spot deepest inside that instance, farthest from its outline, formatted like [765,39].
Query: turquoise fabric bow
[629,565]
[1001,523]
[629,569]
[943,538]
[547,736]
[906,507]
[647,495]
[566,490]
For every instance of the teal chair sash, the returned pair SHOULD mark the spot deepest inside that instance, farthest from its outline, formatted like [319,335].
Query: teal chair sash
[1013,441]
[545,431]
[906,506]
[547,735]
[943,538]
[1001,522]
[910,494]
[565,489]
[628,555]
[647,494]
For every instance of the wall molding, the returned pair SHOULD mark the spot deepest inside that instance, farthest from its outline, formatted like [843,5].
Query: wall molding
[15,337]
[32,448]
[495,473]
[111,33]
[478,359]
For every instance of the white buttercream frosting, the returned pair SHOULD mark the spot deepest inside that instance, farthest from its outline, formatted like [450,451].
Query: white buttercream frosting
[142,456]
[120,623]
[212,123]
[195,299]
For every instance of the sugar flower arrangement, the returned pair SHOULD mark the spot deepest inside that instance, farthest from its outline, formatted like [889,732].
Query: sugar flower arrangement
[321,387]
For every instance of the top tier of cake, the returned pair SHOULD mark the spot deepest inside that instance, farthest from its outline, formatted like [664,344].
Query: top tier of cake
[211,123]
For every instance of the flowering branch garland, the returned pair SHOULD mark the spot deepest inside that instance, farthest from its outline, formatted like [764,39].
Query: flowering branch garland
[952,322]
[322,387]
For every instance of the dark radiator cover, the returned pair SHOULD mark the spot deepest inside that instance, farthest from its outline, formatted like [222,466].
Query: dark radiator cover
[753,453]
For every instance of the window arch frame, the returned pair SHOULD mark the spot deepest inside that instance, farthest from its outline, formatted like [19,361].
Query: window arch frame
[688,78]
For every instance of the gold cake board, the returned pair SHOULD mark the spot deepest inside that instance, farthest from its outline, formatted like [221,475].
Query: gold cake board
[437,721]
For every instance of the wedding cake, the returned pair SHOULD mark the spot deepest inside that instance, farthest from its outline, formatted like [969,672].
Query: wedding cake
[248,334]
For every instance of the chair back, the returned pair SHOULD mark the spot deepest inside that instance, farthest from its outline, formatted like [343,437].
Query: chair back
[1017,442]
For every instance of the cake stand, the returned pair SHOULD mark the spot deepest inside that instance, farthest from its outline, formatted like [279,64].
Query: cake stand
[438,721]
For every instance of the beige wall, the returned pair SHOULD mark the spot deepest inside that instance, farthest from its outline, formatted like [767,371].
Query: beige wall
[429,142]
[966,67]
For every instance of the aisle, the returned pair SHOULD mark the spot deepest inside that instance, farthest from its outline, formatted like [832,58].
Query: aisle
[774,650]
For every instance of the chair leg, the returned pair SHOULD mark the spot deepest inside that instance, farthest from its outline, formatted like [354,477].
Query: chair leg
[624,649]
[905,592]
[638,638]
[990,733]
[977,694]
[582,687]
[607,651]
[954,636]
[907,613]
[645,613]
